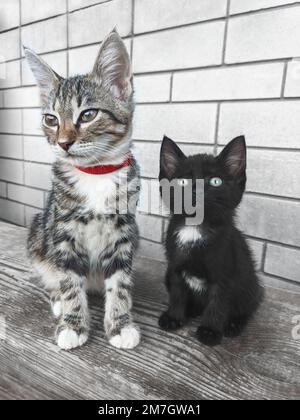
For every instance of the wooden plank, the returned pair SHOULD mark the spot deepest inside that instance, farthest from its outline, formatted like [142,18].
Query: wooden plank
[262,364]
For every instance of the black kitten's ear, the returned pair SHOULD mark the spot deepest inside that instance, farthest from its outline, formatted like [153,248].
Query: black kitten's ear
[234,156]
[170,157]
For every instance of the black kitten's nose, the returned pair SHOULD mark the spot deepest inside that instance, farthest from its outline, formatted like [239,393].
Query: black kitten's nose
[66,144]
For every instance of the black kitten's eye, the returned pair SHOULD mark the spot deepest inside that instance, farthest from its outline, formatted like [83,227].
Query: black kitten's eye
[88,115]
[215,182]
[50,120]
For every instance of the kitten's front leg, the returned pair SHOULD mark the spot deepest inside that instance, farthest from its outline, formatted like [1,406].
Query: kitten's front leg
[175,316]
[72,308]
[118,324]
[214,316]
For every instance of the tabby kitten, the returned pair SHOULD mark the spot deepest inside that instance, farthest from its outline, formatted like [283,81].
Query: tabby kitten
[210,267]
[82,241]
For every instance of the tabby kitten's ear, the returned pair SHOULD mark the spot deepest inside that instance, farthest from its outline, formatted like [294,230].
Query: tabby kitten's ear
[46,78]
[170,157]
[113,67]
[234,156]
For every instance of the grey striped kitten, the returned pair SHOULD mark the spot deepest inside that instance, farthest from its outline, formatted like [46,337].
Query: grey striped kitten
[83,241]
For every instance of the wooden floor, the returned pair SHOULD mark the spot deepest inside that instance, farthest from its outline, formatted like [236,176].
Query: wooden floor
[262,364]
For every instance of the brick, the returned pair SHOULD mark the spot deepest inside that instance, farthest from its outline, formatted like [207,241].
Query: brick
[11,170]
[150,201]
[30,212]
[12,212]
[94,23]
[81,60]
[32,122]
[37,175]
[58,61]
[275,283]
[150,227]
[10,74]
[269,35]
[37,149]
[182,122]
[283,262]
[292,85]
[26,195]
[257,248]
[10,14]
[11,146]
[24,97]
[179,48]
[3,187]
[242,82]
[265,169]
[151,250]
[241,6]
[154,88]
[11,121]
[148,156]
[9,45]
[33,10]
[274,172]
[270,218]
[151,15]
[267,124]
[194,149]
[78,4]
[46,36]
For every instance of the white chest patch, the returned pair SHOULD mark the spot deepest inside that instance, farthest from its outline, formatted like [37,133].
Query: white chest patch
[195,283]
[100,191]
[188,235]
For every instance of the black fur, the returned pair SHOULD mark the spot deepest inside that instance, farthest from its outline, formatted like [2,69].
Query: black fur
[221,258]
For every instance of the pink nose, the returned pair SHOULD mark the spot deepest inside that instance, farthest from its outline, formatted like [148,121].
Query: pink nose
[66,144]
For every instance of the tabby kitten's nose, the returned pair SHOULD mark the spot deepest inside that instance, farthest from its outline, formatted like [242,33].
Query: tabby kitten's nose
[66,144]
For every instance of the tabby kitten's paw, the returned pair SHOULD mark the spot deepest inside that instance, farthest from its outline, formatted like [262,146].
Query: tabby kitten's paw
[56,308]
[68,339]
[209,337]
[166,322]
[128,338]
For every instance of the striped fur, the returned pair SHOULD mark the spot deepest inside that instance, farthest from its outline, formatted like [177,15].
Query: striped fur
[83,241]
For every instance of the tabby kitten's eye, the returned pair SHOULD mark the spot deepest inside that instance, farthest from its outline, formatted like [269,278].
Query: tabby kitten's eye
[215,182]
[88,115]
[50,120]
[182,182]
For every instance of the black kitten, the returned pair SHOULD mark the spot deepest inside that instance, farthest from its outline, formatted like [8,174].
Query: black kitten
[210,267]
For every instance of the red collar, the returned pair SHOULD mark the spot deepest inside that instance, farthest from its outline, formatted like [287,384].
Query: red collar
[105,169]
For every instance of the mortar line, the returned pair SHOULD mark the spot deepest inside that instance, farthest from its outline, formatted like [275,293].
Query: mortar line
[284,78]
[226,32]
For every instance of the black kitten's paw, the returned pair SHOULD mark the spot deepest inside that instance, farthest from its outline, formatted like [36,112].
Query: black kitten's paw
[209,337]
[235,327]
[166,322]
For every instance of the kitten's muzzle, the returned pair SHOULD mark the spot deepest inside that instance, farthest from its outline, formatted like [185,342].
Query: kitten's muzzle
[66,144]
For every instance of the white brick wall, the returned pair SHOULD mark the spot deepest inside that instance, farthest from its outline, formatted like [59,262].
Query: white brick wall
[169,50]
[205,72]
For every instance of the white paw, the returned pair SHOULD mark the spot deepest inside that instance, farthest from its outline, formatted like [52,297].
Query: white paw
[127,339]
[57,309]
[69,339]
